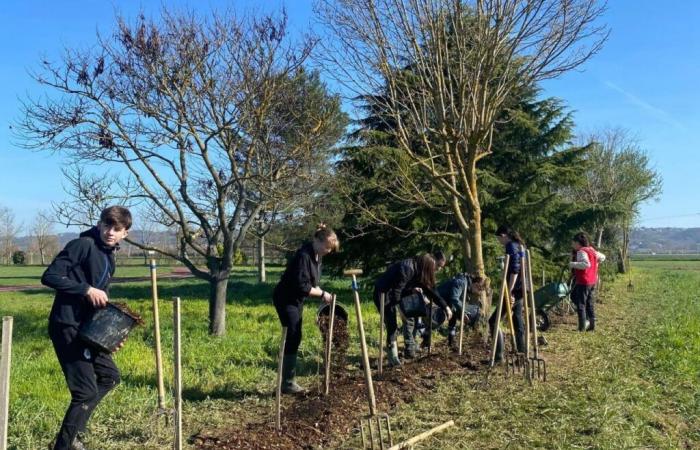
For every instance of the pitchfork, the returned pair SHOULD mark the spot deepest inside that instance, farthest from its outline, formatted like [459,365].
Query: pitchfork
[376,427]
[538,366]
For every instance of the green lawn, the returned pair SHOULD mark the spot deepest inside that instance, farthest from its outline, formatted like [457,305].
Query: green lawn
[631,384]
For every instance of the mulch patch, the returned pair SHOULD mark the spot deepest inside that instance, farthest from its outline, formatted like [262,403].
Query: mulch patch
[315,421]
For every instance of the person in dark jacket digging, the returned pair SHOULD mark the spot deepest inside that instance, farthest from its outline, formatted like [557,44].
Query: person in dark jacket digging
[452,290]
[300,280]
[585,268]
[81,274]
[401,279]
[514,247]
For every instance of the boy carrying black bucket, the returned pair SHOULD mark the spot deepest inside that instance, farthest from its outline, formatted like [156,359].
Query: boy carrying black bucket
[81,274]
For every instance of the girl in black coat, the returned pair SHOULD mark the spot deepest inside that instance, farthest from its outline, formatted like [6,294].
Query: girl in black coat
[300,280]
[401,279]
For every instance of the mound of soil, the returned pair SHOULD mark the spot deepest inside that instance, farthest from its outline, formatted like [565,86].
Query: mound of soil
[316,421]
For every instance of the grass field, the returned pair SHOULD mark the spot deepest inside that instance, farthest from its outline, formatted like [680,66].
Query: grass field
[31,275]
[634,383]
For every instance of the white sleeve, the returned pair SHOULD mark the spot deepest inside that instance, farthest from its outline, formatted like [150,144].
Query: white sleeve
[582,262]
[600,256]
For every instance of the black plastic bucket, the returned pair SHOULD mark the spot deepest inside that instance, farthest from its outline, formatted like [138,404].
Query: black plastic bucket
[108,327]
[413,305]
[324,309]
[438,316]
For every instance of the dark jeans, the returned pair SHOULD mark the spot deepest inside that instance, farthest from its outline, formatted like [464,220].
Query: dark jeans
[584,299]
[518,324]
[291,317]
[471,314]
[90,374]
[390,321]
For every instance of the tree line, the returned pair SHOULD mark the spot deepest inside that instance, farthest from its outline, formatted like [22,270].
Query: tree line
[223,128]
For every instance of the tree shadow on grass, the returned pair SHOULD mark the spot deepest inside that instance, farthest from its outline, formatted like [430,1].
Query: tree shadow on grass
[198,394]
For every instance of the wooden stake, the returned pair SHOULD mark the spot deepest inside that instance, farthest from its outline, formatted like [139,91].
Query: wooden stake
[414,440]
[363,342]
[5,363]
[509,312]
[382,299]
[430,327]
[526,307]
[156,336]
[177,362]
[278,403]
[532,306]
[461,320]
[329,347]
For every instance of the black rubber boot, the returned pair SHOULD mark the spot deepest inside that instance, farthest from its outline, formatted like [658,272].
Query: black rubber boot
[289,386]
[409,342]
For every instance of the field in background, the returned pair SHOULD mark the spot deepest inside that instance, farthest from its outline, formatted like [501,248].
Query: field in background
[31,275]
[631,384]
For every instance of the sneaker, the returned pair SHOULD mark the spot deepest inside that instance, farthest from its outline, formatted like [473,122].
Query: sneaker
[451,337]
[78,445]
[292,388]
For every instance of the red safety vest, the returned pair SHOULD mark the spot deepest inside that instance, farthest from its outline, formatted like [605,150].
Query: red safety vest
[588,277]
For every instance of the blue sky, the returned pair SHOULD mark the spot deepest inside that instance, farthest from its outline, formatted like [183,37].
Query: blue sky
[645,79]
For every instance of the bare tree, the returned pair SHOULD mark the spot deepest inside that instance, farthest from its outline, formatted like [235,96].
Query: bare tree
[617,180]
[198,113]
[443,70]
[9,229]
[45,240]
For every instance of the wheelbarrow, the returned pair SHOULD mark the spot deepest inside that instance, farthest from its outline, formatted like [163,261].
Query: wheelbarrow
[549,296]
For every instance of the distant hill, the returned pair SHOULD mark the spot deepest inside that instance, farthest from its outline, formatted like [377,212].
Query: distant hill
[665,240]
[643,240]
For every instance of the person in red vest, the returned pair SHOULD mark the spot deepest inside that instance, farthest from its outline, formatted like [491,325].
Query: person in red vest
[585,267]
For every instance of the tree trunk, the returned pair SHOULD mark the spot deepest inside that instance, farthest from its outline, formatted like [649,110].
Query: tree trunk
[261,260]
[599,240]
[474,255]
[41,255]
[217,303]
[623,251]
[621,266]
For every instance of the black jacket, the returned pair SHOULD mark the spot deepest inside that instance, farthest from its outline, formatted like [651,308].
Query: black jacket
[84,262]
[400,279]
[303,272]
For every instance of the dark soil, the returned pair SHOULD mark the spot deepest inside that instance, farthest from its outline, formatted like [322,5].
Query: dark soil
[128,311]
[316,421]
